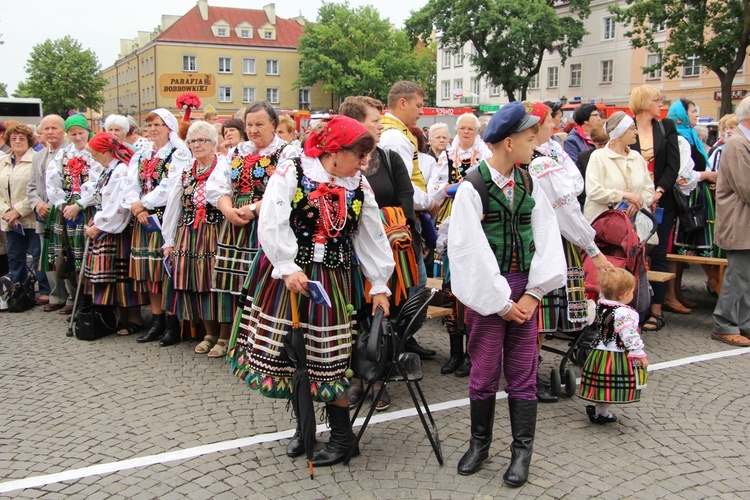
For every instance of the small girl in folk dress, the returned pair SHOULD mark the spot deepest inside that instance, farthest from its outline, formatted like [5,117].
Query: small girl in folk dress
[615,370]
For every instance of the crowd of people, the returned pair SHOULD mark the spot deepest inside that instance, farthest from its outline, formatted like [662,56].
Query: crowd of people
[231,223]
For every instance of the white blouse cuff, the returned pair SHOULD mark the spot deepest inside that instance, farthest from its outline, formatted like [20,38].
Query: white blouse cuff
[506,309]
[376,289]
[284,269]
[592,250]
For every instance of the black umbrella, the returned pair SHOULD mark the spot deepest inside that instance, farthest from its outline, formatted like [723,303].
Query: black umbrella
[294,347]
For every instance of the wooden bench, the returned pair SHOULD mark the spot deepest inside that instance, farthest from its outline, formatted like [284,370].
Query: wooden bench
[713,266]
[660,277]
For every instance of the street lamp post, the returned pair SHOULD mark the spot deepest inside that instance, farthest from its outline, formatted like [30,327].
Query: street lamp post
[563,100]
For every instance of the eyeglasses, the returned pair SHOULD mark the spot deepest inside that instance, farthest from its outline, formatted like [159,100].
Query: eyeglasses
[154,125]
[660,99]
[17,138]
[200,141]
[361,156]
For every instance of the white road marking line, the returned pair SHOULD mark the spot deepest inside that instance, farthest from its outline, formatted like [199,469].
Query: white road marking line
[171,456]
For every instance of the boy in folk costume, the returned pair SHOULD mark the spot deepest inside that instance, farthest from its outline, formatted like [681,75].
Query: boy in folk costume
[506,254]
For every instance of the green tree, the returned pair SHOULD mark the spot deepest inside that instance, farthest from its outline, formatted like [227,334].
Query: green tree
[355,52]
[716,31]
[3,90]
[510,36]
[63,76]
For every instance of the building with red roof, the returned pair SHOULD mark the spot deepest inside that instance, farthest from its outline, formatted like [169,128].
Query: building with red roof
[229,57]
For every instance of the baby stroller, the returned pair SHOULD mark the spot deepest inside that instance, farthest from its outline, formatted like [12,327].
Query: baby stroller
[619,242]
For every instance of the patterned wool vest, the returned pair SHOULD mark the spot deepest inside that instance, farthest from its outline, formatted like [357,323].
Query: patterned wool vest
[508,228]
[416,174]
[307,221]
[189,208]
[160,172]
[250,174]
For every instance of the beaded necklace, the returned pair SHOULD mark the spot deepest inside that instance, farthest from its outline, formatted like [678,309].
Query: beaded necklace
[333,214]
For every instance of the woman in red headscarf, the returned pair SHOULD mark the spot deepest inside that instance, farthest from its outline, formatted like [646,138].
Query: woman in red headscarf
[110,231]
[318,211]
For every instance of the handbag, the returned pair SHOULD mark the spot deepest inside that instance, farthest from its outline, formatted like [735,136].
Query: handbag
[23,296]
[692,218]
[65,266]
[373,349]
[94,322]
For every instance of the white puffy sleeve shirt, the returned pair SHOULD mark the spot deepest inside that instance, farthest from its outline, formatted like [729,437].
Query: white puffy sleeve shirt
[393,140]
[560,189]
[173,209]
[280,245]
[475,275]
[626,322]
[441,173]
[555,150]
[112,218]
[158,195]
[688,178]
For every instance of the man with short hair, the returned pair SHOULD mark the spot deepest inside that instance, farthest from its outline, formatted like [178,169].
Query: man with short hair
[579,139]
[732,312]
[53,129]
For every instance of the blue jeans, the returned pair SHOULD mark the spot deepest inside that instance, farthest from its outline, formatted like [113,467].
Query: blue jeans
[20,245]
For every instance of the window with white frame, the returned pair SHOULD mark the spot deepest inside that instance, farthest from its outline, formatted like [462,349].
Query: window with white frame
[458,58]
[474,85]
[248,94]
[304,98]
[608,28]
[658,27]
[608,71]
[576,71]
[248,65]
[272,66]
[553,77]
[458,88]
[653,60]
[534,82]
[446,86]
[272,95]
[222,32]
[225,93]
[225,65]
[244,33]
[268,35]
[494,90]
[692,68]
[446,58]
[189,63]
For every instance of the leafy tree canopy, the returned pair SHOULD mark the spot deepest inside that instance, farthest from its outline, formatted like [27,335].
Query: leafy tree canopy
[716,31]
[63,76]
[510,36]
[355,52]
[3,90]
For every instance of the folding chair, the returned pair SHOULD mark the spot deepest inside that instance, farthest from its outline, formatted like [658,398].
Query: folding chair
[404,367]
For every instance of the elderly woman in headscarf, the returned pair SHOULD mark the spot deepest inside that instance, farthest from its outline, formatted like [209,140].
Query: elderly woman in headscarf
[236,187]
[110,232]
[145,190]
[71,181]
[319,212]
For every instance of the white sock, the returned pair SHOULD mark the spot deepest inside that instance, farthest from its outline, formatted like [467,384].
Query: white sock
[603,409]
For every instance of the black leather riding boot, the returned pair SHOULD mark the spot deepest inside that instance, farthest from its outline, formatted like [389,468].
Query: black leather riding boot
[523,428]
[482,420]
[172,333]
[341,440]
[156,331]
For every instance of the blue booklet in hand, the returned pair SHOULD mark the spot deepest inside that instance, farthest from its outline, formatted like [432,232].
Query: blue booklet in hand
[18,229]
[167,267]
[451,191]
[80,220]
[318,294]
[153,224]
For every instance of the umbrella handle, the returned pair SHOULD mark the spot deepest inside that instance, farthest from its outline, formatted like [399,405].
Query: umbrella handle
[295,310]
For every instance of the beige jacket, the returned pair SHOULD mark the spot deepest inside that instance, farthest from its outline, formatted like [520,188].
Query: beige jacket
[13,182]
[732,230]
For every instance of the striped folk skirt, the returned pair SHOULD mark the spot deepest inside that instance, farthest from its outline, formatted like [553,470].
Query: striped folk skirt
[146,259]
[610,377]
[566,307]
[256,348]
[188,291]
[52,243]
[107,264]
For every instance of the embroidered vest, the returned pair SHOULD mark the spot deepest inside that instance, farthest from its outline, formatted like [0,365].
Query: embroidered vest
[72,181]
[189,208]
[416,174]
[103,181]
[605,325]
[160,172]
[508,228]
[249,180]
[307,224]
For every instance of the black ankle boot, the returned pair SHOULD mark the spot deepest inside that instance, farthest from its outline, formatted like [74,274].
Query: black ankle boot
[422,352]
[482,420]
[523,428]
[172,333]
[342,438]
[457,354]
[156,331]
[296,446]
[465,368]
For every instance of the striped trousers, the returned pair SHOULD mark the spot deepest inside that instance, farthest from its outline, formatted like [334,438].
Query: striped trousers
[497,346]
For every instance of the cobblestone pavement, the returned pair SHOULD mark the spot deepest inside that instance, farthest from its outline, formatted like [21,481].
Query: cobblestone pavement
[69,404]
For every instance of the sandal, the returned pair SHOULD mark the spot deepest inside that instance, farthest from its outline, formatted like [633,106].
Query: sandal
[220,349]
[206,344]
[654,323]
[128,328]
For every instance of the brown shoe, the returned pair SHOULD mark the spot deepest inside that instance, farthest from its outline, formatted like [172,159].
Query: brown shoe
[66,310]
[687,302]
[42,300]
[51,307]
[676,307]
[733,339]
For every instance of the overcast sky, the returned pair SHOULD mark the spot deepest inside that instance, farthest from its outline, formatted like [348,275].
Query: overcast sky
[99,25]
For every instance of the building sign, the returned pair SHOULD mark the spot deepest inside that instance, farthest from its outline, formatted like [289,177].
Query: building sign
[736,94]
[174,84]
[489,108]
[446,111]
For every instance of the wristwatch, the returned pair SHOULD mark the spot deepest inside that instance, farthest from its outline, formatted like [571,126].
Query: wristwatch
[253,207]
[660,189]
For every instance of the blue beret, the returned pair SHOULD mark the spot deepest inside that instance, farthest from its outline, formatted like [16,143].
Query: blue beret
[512,118]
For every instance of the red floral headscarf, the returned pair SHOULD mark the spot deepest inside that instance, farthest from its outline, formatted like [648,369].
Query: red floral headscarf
[339,132]
[538,109]
[105,143]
